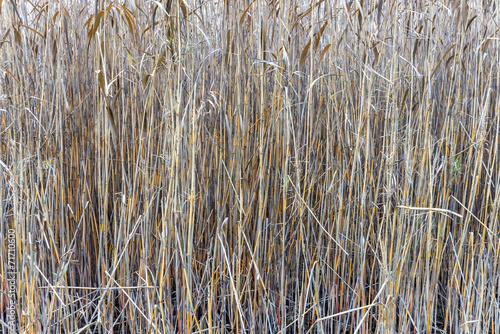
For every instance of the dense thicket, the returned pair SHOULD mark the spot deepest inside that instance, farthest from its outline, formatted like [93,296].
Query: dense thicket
[251,166]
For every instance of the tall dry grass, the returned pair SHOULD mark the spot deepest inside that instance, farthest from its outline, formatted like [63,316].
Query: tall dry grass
[251,166]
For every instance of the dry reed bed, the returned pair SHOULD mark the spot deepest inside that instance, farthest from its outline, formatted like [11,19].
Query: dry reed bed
[186,166]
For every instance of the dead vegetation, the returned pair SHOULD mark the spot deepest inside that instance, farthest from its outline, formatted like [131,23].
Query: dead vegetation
[251,166]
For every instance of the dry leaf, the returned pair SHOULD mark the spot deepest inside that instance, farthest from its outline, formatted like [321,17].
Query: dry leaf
[303,54]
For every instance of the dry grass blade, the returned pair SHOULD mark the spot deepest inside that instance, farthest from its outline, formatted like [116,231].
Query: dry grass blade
[430,209]
[304,53]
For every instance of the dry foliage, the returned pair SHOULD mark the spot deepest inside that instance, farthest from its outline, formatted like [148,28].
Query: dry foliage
[188,166]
